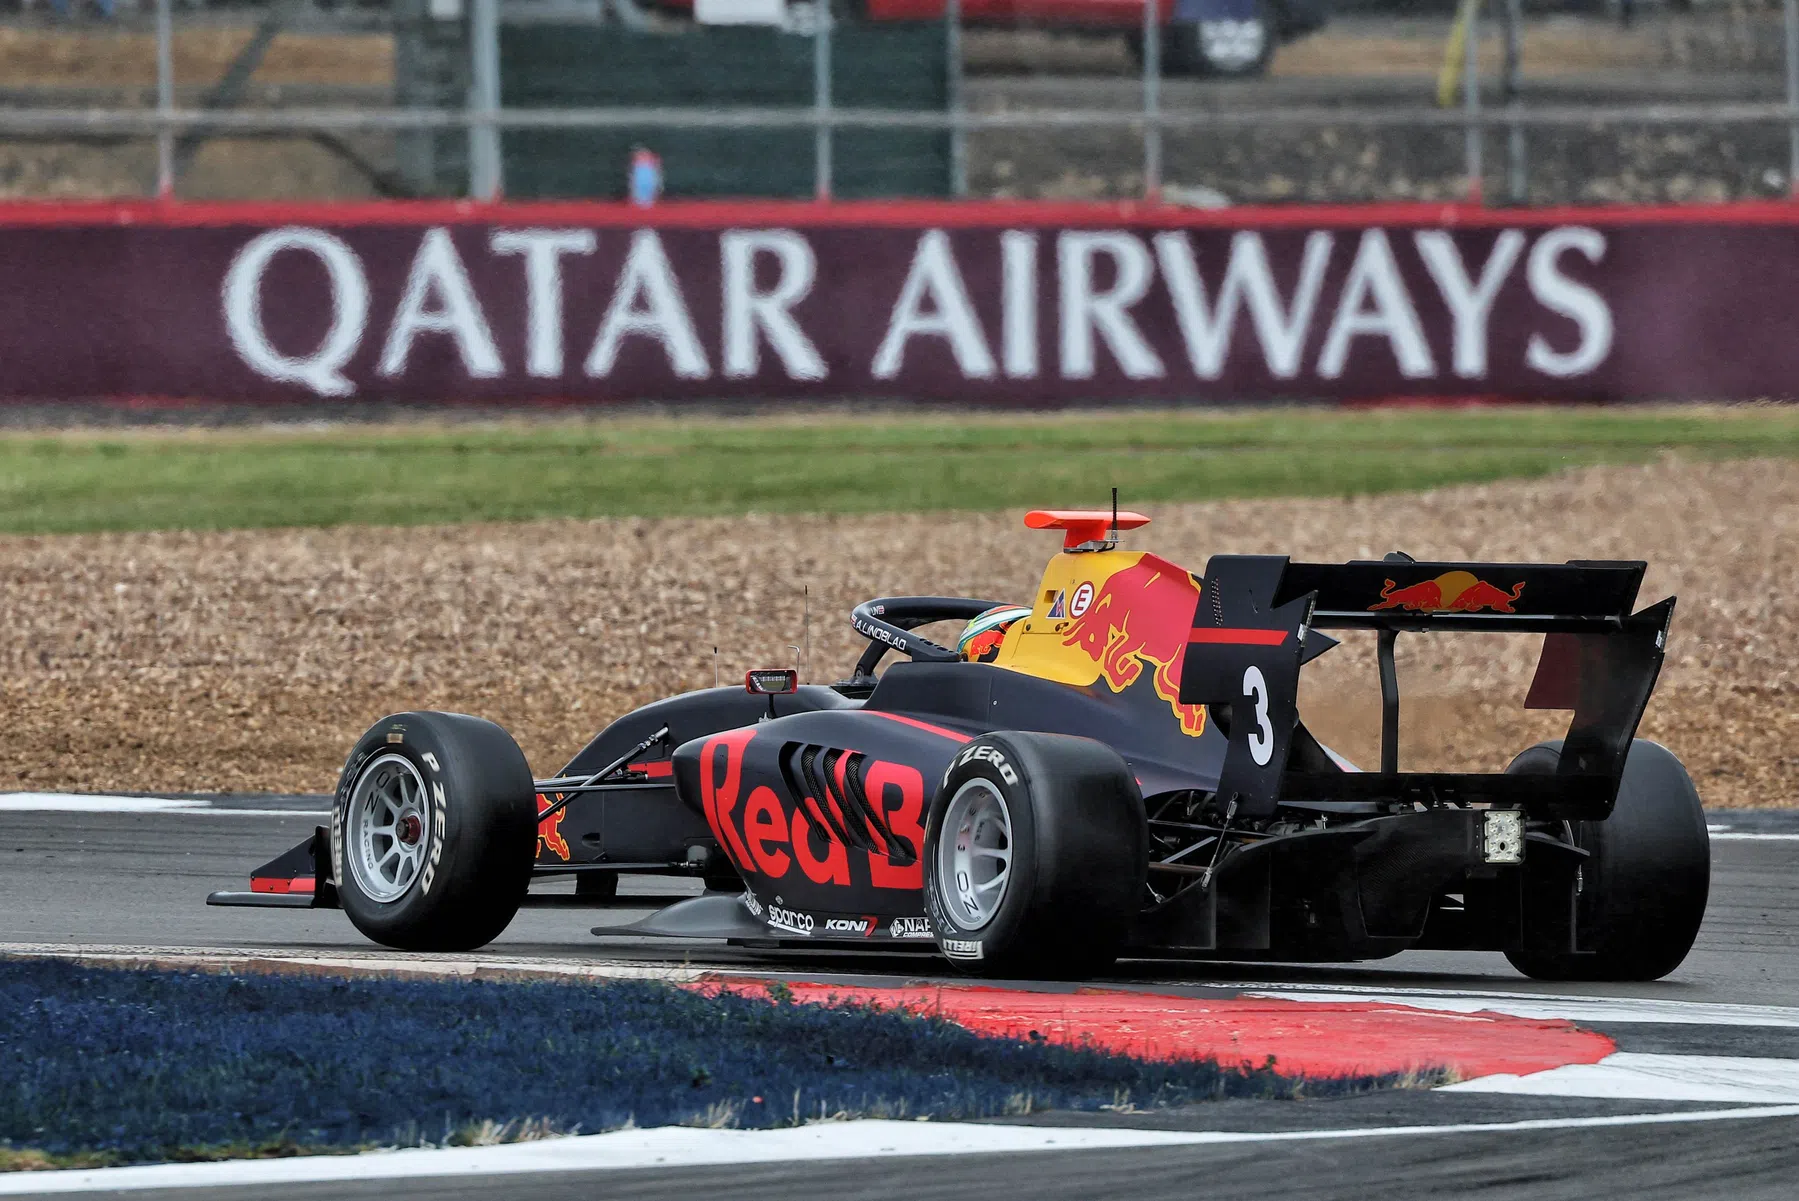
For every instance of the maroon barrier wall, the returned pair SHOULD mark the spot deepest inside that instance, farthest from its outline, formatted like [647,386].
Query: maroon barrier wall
[980,303]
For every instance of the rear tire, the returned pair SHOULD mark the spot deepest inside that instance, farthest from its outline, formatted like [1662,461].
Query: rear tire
[434,832]
[1645,883]
[1035,854]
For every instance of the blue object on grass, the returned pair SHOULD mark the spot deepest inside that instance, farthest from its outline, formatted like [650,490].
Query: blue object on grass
[141,1063]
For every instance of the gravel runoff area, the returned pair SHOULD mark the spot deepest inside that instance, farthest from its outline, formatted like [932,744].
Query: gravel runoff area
[251,660]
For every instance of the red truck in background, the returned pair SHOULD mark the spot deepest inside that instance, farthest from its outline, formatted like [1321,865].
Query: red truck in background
[1199,37]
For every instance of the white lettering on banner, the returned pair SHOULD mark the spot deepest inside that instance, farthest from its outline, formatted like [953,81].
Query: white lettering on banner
[647,276]
[438,275]
[935,276]
[1102,280]
[1018,303]
[322,370]
[747,311]
[543,250]
[1575,301]
[1374,276]
[1470,303]
[1248,278]
[1085,311]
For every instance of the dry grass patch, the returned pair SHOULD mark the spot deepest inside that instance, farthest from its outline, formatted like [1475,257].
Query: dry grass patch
[250,660]
[101,56]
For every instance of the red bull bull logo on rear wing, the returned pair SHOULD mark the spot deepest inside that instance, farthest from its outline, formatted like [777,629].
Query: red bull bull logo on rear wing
[1452,592]
[1399,593]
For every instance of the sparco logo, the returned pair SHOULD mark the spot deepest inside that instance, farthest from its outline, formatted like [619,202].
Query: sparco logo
[960,948]
[859,926]
[993,755]
[787,919]
[911,927]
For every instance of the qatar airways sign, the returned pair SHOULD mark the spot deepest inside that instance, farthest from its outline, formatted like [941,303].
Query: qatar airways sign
[521,310]
[921,311]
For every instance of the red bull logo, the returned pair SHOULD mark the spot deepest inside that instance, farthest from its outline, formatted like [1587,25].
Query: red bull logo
[549,830]
[1451,592]
[984,647]
[1139,617]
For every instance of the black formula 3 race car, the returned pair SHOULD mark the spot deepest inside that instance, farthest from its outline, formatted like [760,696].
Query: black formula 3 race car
[1126,775]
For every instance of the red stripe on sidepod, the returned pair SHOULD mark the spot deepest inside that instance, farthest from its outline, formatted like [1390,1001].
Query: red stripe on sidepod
[1238,637]
[926,726]
[654,771]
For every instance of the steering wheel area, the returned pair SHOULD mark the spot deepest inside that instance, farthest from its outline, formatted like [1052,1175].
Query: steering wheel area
[888,621]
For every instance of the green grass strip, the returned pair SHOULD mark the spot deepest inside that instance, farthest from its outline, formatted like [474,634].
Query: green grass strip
[831,463]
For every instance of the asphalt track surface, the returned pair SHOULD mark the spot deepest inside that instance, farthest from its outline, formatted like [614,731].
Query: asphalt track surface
[77,879]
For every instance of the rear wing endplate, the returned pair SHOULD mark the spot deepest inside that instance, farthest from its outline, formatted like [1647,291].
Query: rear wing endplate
[1256,614]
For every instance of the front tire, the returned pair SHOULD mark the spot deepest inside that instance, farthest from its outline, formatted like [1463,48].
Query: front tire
[1646,879]
[434,832]
[1035,854]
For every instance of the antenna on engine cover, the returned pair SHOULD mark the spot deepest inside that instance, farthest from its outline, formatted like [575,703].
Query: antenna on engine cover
[1112,534]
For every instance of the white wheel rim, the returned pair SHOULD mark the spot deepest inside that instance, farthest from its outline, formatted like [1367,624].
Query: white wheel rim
[388,828]
[974,854]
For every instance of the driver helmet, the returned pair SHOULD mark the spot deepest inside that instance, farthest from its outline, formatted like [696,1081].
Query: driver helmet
[982,636]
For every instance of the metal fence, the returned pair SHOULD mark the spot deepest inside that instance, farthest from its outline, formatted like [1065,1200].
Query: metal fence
[1488,100]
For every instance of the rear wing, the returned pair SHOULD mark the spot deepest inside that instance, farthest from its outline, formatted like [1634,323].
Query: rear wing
[1257,613]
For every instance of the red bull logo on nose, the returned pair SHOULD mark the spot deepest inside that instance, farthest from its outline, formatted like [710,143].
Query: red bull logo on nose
[1138,618]
[1451,592]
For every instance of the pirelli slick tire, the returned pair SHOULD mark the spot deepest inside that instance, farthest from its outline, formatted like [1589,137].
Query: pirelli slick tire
[1644,884]
[433,832]
[1035,853]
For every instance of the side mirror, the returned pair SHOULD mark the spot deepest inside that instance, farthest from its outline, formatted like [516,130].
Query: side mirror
[771,681]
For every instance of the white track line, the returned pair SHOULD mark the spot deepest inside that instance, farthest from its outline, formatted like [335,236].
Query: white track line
[1746,837]
[62,802]
[681,1147]
[1601,1010]
[65,802]
[1634,1076]
[310,814]
[492,965]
